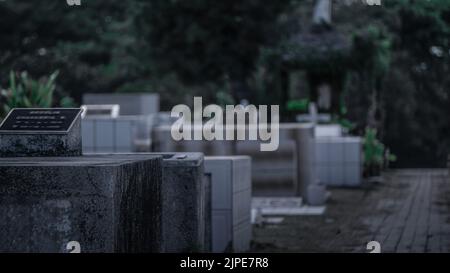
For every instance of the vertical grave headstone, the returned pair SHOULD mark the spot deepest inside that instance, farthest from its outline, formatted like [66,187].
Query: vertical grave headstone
[50,196]
[41,132]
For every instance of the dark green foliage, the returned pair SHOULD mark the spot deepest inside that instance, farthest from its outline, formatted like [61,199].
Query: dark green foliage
[204,40]
[25,92]
[376,156]
[90,45]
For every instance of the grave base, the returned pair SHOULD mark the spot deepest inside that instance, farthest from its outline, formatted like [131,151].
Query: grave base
[102,202]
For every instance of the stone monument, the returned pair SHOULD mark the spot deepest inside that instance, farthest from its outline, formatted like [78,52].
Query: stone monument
[52,197]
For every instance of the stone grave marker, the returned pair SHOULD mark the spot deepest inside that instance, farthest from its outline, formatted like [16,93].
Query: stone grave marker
[50,196]
[41,132]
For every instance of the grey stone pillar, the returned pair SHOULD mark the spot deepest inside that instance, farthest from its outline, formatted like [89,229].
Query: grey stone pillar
[303,134]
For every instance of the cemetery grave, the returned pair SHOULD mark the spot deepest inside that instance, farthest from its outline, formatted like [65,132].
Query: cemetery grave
[50,199]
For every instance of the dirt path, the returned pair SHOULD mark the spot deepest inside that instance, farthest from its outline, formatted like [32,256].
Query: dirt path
[408,212]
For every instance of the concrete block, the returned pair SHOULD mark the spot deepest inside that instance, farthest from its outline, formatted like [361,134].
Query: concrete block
[330,130]
[337,174]
[38,141]
[104,134]
[221,231]
[231,201]
[317,195]
[123,133]
[343,164]
[242,231]
[322,151]
[335,151]
[353,150]
[184,202]
[106,203]
[88,134]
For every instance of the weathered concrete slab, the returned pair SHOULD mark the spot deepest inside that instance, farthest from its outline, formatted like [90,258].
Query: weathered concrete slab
[41,139]
[184,193]
[107,204]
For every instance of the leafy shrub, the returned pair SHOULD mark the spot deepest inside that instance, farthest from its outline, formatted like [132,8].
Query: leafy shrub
[376,156]
[25,92]
[298,105]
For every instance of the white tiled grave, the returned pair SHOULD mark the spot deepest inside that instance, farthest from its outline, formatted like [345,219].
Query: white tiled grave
[267,207]
[123,134]
[131,104]
[230,202]
[339,160]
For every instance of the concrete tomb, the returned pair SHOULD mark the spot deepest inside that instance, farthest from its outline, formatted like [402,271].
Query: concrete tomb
[185,198]
[51,199]
[230,202]
[123,134]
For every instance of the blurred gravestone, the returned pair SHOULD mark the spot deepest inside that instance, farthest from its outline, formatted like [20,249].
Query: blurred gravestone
[130,104]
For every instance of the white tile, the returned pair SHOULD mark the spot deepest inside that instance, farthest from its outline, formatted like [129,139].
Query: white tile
[87,133]
[105,150]
[104,134]
[242,236]
[321,151]
[332,130]
[221,230]
[336,151]
[242,173]
[119,149]
[241,206]
[352,151]
[336,175]
[123,134]
[221,183]
[306,210]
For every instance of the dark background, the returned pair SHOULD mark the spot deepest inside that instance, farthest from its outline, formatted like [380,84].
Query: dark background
[388,65]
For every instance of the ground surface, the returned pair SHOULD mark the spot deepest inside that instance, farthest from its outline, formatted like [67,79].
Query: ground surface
[408,212]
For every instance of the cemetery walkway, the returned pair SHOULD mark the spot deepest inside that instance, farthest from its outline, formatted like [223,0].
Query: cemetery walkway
[408,212]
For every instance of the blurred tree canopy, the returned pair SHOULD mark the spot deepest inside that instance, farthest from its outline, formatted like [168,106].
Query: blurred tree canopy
[203,40]
[91,45]
[413,98]
[398,80]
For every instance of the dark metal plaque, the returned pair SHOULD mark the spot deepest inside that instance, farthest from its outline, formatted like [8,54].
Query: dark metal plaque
[39,120]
